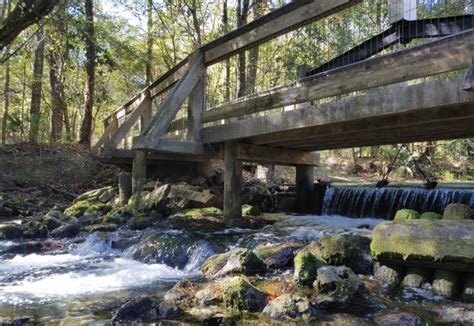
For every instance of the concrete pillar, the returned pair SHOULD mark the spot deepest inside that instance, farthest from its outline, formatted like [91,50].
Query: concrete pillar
[138,170]
[232,185]
[304,188]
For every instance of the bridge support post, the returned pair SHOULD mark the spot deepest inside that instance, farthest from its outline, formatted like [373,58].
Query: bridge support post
[232,185]
[138,171]
[304,188]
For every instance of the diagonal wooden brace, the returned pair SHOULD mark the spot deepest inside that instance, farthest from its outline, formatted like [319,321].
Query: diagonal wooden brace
[161,121]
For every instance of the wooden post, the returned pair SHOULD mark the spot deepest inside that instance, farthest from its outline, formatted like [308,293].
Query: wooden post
[304,188]
[146,115]
[125,187]
[138,170]
[232,185]
[468,84]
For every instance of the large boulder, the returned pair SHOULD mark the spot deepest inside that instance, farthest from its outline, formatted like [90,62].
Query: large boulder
[444,244]
[181,292]
[288,306]
[237,261]
[241,296]
[137,309]
[196,197]
[406,214]
[457,212]
[352,251]
[339,286]
[210,295]
[306,267]
[156,198]
[278,255]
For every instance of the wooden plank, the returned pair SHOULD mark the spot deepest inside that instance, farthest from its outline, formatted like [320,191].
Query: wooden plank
[280,21]
[444,55]
[138,107]
[396,99]
[178,147]
[170,107]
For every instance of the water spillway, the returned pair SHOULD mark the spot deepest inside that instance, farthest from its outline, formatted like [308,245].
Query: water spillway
[368,201]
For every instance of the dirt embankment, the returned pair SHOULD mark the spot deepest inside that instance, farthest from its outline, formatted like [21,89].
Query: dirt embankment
[35,178]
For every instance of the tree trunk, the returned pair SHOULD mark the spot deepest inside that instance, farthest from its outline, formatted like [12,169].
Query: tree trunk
[85,136]
[242,14]
[58,103]
[36,88]
[149,53]
[225,23]
[6,102]
[258,8]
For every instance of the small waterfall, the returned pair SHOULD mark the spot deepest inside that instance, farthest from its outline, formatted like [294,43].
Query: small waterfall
[384,202]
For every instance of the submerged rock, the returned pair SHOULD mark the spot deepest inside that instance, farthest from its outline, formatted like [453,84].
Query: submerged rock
[288,306]
[447,283]
[279,255]
[416,277]
[399,319]
[406,214]
[457,212]
[241,296]
[137,309]
[352,251]
[339,286]
[237,261]
[168,310]
[66,231]
[306,267]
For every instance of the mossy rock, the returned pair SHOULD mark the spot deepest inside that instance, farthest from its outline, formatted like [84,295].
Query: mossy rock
[11,231]
[278,255]
[406,214]
[447,283]
[94,195]
[416,277]
[241,296]
[306,267]
[392,275]
[81,208]
[290,306]
[468,290]
[249,210]
[214,264]
[139,222]
[116,215]
[431,216]
[237,261]
[211,294]
[102,227]
[35,229]
[457,212]
[200,212]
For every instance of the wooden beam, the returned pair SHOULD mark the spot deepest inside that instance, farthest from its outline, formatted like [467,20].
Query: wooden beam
[232,186]
[280,21]
[170,107]
[197,102]
[139,106]
[178,147]
[468,84]
[444,55]
[396,99]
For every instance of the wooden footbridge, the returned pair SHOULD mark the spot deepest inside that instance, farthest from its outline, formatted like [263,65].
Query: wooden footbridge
[359,100]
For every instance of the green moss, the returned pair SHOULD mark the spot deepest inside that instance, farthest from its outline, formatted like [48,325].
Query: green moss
[116,215]
[430,216]
[95,194]
[267,251]
[249,210]
[140,222]
[102,227]
[241,296]
[214,264]
[81,208]
[457,212]
[199,212]
[306,267]
[10,231]
[406,214]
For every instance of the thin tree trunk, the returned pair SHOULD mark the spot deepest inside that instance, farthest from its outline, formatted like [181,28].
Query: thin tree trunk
[225,23]
[242,14]
[258,8]
[85,137]
[149,53]
[36,88]
[6,102]
[58,103]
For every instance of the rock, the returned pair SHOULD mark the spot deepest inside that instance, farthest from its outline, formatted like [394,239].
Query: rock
[209,315]
[406,214]
[237,261]
[54,213]
[138,309]
[339,286]
[457,212]
[10,231]
[88,219]
[199,212]
[196,198]
[51,223]
[443,244]
[66,231]
[392,275]
[399,319]
[416,277]
[168,310]
[156,198]
[35,229]
[306,267]
[249,210]
[241,296]
[468,290]
[25,248]
[289,306]
[343,319]
[117,215]
[352,251]
[163,249]
[180,292]
[446,283]
[278,256]
[139,222]
[94,195]
[80,208]
[210,295]
[286,204]
[102,227]
[431,216]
